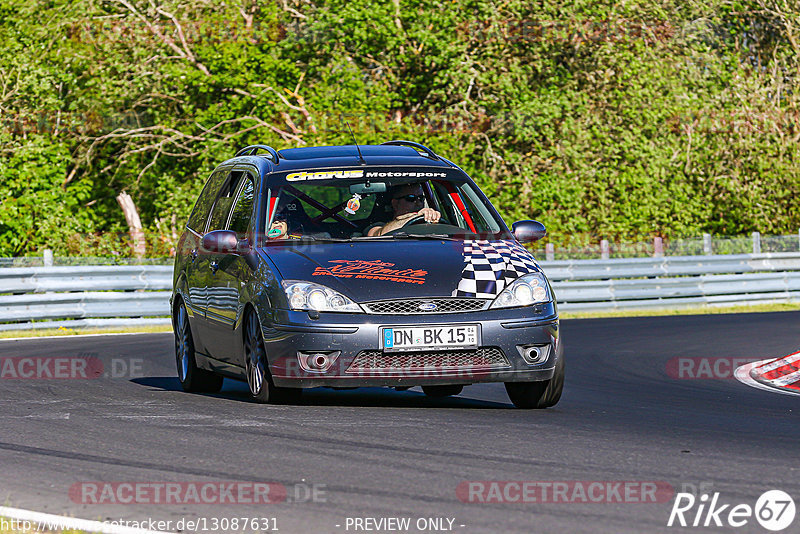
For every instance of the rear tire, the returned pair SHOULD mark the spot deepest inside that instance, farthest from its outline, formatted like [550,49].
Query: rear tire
[538,395]
[443,391]
[192,378]
[259,379]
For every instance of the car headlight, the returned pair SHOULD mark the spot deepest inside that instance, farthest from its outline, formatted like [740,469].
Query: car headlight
[308,296]
[528,289]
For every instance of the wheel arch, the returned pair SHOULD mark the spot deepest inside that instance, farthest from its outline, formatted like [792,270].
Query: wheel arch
[178,294]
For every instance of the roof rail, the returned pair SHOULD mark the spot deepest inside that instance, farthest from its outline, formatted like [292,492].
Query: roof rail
[253,149]
[426,152]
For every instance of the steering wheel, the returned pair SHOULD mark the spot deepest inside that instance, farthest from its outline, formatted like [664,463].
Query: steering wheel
[419,219]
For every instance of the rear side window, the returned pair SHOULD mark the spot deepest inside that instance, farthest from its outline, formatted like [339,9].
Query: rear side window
[243,209]
[224,203]
[197,220]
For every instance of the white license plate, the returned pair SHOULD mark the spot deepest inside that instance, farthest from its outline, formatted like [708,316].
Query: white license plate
[459,336]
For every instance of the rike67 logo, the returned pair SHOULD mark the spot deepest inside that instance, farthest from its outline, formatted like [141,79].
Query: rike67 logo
[774,510]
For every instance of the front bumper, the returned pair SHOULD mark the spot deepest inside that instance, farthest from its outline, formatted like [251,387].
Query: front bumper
[346,336]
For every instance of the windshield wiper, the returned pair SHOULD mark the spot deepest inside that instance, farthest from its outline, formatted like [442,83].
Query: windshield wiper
[371,238]
[309,238]
[432,236]
[406,235]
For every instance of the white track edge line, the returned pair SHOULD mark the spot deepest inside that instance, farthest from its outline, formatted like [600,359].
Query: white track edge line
[743,375]
[42,522]
[68,336]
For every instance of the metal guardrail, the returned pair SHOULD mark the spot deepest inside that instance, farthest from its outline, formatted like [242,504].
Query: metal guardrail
[43,297]
[675,282]
[102,295]
[85,278]
[671,266]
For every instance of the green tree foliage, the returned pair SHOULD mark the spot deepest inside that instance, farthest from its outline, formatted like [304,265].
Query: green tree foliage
[599,118]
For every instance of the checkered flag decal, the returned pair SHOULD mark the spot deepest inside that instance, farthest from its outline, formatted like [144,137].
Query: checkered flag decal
[491,266]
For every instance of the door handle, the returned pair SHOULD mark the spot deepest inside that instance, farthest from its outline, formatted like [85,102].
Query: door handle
[194,254]
[214,266]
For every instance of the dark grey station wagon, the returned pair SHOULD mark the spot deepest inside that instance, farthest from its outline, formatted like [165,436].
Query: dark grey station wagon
[348,266]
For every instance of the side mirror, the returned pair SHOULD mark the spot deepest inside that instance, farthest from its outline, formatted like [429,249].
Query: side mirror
[528,231]
[221,241]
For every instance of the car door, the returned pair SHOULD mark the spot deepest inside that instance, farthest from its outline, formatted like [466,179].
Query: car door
[197,270]
[229,271]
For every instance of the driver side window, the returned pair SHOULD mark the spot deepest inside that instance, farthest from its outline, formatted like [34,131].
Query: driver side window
[222,207]
[202,208]
[243,208]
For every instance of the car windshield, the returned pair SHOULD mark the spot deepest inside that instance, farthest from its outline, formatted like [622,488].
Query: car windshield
[378,203]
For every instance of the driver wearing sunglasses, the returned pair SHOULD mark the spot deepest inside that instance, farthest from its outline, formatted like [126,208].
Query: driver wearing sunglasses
[408,201]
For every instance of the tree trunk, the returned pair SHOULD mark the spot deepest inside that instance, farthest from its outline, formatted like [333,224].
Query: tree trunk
[134,224]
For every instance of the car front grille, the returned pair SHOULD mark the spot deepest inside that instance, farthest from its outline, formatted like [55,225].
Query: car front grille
[421,306]
[376,360]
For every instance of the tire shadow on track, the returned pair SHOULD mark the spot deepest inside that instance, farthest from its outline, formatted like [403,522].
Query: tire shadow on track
[368,397]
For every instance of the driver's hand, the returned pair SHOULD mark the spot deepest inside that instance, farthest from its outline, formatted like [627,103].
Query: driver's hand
[431,215]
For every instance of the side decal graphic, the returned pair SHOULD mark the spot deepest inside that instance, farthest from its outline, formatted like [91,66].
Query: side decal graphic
[371,270]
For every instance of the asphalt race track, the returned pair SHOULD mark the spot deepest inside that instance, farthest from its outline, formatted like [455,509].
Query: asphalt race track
[626,415]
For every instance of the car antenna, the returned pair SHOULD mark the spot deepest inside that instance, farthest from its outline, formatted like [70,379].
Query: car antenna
[360,157]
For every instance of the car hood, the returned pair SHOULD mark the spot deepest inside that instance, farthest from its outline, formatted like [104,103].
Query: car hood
[379,270]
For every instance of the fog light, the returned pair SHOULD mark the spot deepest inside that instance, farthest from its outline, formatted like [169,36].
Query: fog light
[317,361]
[534,354]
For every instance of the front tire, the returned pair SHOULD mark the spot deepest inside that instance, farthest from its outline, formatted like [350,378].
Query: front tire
[538,395]
[259,379]
[192,378]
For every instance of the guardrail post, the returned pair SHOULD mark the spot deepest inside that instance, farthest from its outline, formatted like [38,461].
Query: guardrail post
[550,252]
[47,257]
[756,243]
[605,252]
[658,247]
[707,250]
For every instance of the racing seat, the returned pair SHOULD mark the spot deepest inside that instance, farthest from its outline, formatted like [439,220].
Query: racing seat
[299,222]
